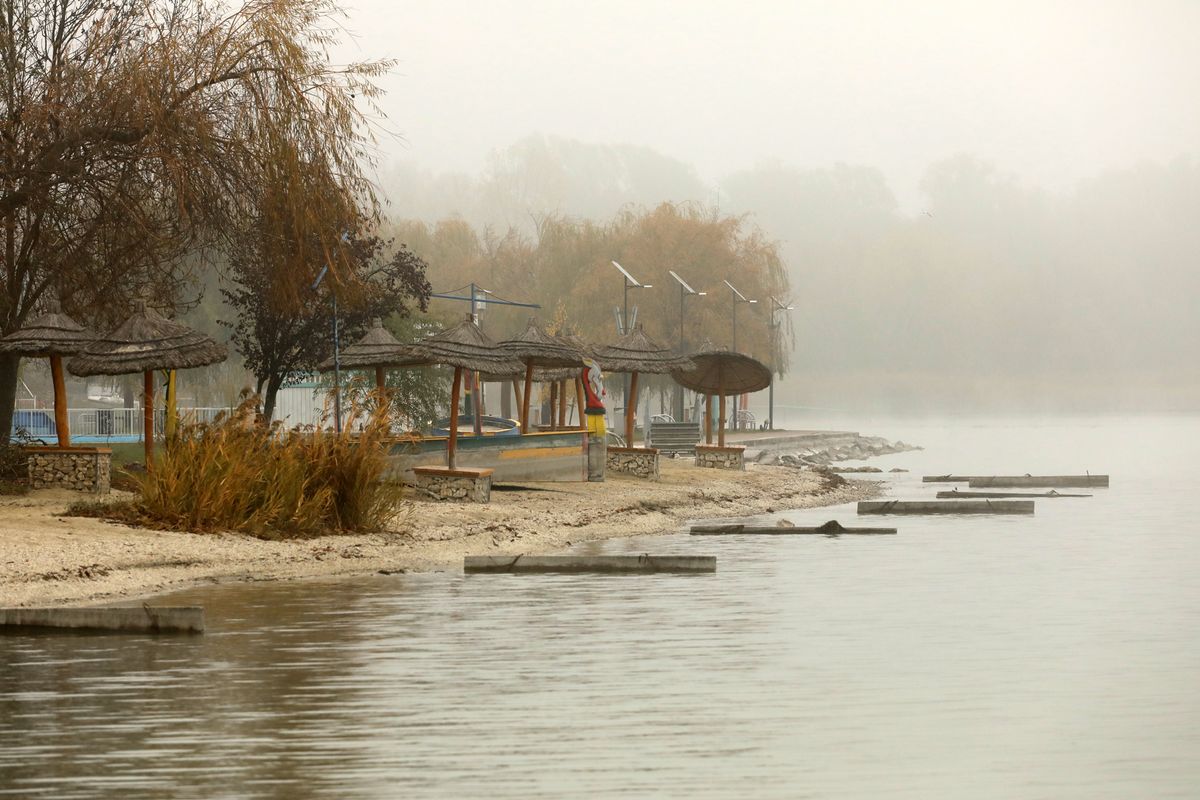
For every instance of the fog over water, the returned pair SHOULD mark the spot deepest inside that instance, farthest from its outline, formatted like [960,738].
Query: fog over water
[980,207]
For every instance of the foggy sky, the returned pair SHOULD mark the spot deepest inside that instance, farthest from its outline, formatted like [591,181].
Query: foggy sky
[1053,92]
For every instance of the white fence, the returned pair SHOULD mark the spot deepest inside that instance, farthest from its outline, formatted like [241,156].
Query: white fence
[102,423]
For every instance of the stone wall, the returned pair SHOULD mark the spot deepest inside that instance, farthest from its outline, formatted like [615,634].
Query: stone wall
[720,457]
[84,469]
[639,461]
[474,486]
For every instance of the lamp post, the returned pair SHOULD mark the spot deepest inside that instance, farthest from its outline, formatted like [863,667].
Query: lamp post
[624,324]
[738,297]
[337,358]
[775,306]
[684,292]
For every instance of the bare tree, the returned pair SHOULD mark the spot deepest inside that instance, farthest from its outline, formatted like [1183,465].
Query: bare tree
[133,131]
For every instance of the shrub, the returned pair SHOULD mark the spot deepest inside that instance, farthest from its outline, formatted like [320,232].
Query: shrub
[238,474]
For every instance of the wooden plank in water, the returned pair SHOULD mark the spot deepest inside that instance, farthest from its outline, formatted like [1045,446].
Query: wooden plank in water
[644,563]
[959,493]
[831,528]
[949,478]
[133,619]
[1032,481]
[945,507]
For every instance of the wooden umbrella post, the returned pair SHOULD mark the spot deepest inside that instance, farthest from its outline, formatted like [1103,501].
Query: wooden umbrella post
[553,403]
[172,415]
[525,398]
[452,445]
[516,390]
[721,420]
[380,379]
[708,419]
[148,417]
[579,401]
[630,409]
[562,404]
[60,402]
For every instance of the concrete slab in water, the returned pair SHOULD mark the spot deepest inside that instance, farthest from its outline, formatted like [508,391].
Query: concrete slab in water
[579,564]
[133,619]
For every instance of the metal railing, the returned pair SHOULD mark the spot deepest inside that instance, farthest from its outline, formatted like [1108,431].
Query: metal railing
[101,423]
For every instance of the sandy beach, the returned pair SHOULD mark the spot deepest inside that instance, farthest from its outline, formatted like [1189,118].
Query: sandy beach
[48,559]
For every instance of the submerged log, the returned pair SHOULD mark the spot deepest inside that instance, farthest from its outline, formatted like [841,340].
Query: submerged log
[644,563]
[140,619]
[945,507]
[1029,481]
[831,528]
[959,493]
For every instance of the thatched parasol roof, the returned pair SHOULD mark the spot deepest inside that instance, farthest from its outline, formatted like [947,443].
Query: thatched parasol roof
[465,346]
[637,352]
[377,348]
[146,341]
[535,346]
[51,334]
[723,371]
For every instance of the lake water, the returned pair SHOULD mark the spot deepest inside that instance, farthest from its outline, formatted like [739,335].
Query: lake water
[1056,656]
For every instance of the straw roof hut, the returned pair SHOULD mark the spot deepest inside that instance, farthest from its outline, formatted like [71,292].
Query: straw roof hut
[51,335]
[463,347]
[636,352]
[722,373]
[378,350]
[145,342]
[558,358]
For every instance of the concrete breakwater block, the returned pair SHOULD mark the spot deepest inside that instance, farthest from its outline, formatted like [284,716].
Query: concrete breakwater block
[645,563]
[129,619]
[955,493]
[949,478]
[1032,481]
[945,507]
[831,528]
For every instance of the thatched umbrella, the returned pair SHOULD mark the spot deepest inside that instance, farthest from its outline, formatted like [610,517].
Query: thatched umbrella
[722,372]
[146,342]
[51,335]
[463,347]
[377,350]
[636,352]
[536,348]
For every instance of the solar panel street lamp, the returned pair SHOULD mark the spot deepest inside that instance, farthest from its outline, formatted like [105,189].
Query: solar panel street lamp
[775,306]
[738,297]
[685,291]
[624,323]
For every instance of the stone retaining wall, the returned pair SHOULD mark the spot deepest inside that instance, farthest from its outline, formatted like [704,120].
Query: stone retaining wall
[639,461]
[474,486]
[84,469]
[720,457]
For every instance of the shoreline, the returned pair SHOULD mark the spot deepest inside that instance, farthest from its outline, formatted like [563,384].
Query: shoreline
[51,560]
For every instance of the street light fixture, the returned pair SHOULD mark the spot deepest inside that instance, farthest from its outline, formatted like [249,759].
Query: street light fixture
[738,297]
[775,306]
[684,291]
[625,324]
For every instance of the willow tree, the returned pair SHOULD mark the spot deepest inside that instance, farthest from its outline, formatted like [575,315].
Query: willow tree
[135,131]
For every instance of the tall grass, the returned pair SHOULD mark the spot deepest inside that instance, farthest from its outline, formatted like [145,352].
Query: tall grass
[237,474]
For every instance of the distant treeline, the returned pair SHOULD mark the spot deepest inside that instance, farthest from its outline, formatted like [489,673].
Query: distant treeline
[995,295]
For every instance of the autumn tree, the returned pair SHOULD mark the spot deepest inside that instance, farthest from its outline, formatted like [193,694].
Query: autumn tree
[281,341]
[135,131]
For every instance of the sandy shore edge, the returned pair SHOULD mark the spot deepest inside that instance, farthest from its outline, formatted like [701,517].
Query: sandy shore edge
[50,560]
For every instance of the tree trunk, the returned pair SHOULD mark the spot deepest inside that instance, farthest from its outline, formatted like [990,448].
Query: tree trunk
[273,386]
[8,394]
